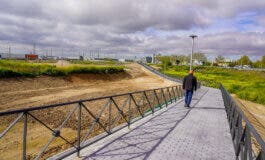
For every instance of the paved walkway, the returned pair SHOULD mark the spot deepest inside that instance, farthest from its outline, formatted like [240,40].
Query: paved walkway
[201,132]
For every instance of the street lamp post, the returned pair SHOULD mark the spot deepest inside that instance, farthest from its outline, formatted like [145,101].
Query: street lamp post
[192,36]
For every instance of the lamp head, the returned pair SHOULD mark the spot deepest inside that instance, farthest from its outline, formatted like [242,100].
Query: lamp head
[193,36]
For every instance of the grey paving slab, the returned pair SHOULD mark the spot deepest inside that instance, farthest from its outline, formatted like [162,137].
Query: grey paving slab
[200,132]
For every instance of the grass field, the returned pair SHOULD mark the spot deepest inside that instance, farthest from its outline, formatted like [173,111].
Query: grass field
[12,68]
[105,62]
[248,85]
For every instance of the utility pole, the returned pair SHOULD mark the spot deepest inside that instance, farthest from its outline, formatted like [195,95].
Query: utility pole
[62,54]
[34,48]
[9,52]
[193,37]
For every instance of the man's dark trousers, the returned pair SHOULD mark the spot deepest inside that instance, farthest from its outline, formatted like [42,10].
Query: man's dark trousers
[188,97]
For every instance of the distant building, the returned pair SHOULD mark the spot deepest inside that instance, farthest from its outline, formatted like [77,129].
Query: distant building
[197,62]
[31,56]
[49,58]
[12,56]
[121,60]
[246,66]
[224,63]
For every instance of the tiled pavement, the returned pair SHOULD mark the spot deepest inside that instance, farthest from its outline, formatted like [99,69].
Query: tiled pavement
[200,132]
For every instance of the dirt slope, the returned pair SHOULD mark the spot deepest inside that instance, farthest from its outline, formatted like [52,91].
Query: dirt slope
[27,92]
[255,113]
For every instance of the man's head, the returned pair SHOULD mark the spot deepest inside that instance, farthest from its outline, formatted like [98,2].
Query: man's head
[191,72]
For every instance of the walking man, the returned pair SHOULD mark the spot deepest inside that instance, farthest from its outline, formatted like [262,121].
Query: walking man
[189,85]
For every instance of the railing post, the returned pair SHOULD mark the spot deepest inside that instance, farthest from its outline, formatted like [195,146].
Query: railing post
[109,119]
[169,95]
[175,96]
[79,129]
[177,92]
[129,112]
[248,151]
[152,109]
[158,101]
[163,95]
[239,135]
[24,151]
[180,91]
[261,155]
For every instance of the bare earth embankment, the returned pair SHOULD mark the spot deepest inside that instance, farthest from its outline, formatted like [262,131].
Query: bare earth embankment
[255,113]
[27,92]
[18,93]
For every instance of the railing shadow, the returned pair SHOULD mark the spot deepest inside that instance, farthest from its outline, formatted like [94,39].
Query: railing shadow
[141,141]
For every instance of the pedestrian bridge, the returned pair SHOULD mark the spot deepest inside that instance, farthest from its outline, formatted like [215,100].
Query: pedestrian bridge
[175,132]
[151,124]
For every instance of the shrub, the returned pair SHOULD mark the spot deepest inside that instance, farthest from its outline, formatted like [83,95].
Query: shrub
[249,85]
[10,68]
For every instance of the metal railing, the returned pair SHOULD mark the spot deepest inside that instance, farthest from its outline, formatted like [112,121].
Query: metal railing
[90,119]
[160,74]
[242,131]
[165,76]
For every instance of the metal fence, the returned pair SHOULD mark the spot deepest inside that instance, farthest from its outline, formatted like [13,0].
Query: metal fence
[164,75]
[160,74]
[87,121]
[242,131]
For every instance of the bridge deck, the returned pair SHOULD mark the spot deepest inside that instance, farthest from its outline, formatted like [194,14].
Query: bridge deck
[201,132]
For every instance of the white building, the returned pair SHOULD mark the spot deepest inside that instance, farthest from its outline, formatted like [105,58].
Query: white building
[11,56]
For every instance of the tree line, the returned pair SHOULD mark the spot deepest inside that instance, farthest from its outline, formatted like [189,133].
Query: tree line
[202,60]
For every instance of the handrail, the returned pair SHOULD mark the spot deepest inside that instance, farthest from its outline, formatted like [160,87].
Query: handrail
[109,113]
[164,75]
[67,103]
[159,73]
[241,134]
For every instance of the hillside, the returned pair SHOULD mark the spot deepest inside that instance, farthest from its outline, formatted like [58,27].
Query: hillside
[27,92]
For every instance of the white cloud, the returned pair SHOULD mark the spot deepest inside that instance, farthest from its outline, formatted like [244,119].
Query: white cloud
[133,25]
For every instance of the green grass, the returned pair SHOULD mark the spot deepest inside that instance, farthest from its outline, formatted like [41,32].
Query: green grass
[248,85]
[10,68]
[105,62]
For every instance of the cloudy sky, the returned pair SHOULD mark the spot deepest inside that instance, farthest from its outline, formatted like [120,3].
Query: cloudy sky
[226,27]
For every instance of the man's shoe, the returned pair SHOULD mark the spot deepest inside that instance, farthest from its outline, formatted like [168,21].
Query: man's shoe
[185,105]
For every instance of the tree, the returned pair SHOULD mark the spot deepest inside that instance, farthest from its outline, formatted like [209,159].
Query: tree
[200,57]
[244,60]
[219,59]
[232,64]
[260,63]
[177,62]
[148,59]
[165,61]
[263,61]
[182,59]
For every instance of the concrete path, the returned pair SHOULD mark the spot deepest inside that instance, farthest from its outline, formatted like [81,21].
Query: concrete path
[200,132]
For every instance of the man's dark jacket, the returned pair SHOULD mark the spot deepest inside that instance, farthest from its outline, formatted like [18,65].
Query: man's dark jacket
[190,82]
